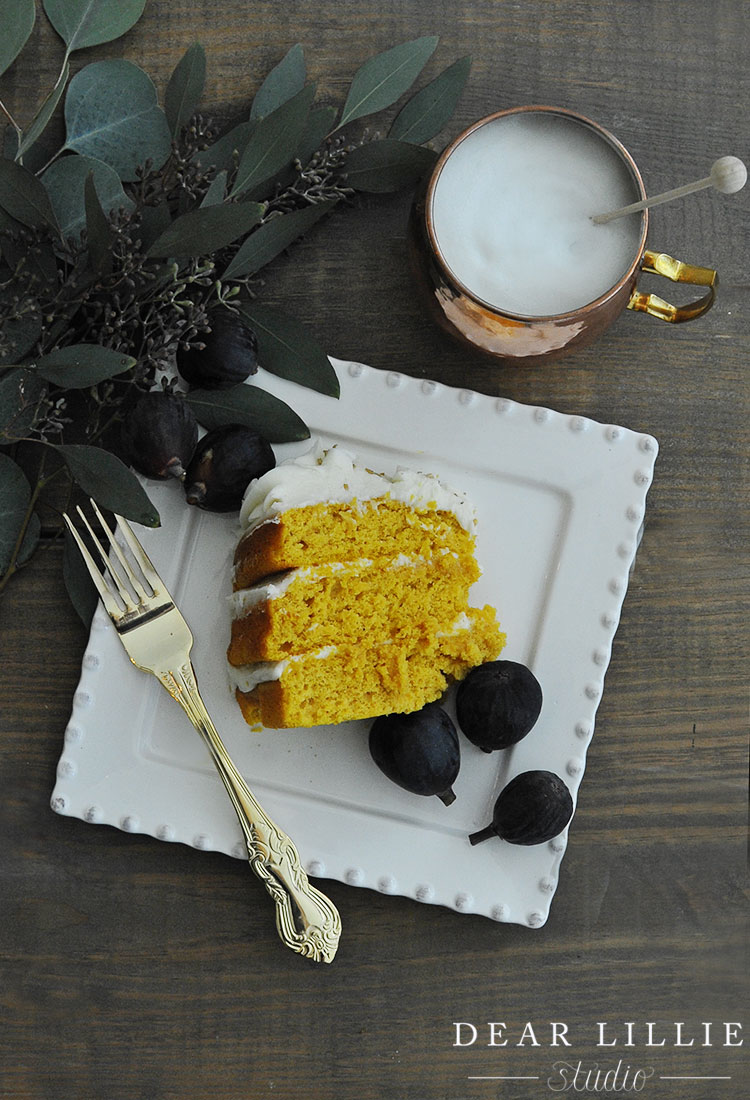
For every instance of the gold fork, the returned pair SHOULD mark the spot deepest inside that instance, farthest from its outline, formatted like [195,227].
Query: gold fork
[158,640]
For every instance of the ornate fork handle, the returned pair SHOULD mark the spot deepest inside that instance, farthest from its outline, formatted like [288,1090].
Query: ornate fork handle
[306,920]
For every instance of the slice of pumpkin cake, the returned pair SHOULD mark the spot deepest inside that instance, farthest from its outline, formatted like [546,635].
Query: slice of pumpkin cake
[351,593]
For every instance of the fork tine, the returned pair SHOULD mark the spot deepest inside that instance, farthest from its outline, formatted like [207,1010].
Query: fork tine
[107,597]
[135,581]
[144,561]
[109,565]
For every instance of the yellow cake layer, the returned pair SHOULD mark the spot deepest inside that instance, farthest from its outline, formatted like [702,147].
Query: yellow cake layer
[404,600]
[350,682]
[320,533]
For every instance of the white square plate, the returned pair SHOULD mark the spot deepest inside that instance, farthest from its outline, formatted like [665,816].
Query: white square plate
[560,502]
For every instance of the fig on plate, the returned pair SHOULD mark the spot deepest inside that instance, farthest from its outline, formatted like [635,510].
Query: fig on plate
[418,751]
[228,355]
[498,703]
[534,807]
[224,463]
[159,435]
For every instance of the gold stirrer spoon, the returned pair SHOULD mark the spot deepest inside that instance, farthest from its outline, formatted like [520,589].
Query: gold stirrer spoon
[728,174]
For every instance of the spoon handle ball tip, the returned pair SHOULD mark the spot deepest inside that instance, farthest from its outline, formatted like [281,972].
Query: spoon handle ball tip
[728,174]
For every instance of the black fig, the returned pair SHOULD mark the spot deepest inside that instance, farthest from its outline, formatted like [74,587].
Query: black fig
[498,703]
[225,461]
[159,435]
[228,357]
[534,807]
[418,751]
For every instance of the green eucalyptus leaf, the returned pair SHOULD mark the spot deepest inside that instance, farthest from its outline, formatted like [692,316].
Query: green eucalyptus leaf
[99,233]
[284,81]
[15,494]
[30,539]
[256,408]
[21,392]
[65,181]
[78,582]
[84,23]
[155,220]
[17,22]
[35,157]
[225,153]
[287,349]
[10,143]
[384,78]
[319,126]
[8,227]
[78,366]
[270,239]
[8,242]
[24,197]
[112,114]
[387,165]
[102,475]
[44,114]
[274,141]
[207,229]
[185,88]
[427,112]
[217,190]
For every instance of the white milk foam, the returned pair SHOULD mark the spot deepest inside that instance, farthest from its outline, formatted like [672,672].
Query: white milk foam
[512,214]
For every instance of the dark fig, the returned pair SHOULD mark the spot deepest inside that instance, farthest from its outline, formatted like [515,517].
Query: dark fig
[497,704]
[159,435]
[228,356]
[224,463]
[418,751]
[534,807]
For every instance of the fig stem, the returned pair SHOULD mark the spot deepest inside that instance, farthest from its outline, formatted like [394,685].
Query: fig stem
[174,468]
[447,797]
[482,834]
[196,493]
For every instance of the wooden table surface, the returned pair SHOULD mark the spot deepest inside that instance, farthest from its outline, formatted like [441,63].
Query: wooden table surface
[134,969]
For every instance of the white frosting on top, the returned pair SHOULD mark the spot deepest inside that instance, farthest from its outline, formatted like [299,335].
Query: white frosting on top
[331,476]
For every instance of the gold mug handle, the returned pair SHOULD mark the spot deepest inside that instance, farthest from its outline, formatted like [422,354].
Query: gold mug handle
[658,263]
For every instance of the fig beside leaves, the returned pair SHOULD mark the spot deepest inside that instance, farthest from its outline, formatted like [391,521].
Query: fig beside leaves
[159,435]
[229,354]
[224,463]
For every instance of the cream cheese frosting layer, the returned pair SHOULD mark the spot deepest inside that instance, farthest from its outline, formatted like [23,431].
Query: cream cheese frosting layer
[330,475]
[274,587]
[247,677]
[244,599]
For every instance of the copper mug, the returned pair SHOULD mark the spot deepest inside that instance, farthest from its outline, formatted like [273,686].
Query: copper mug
[529,338]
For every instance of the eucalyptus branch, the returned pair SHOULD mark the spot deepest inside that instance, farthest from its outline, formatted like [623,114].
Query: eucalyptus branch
[36,491]
[11,120]
[112,274]
[51,160]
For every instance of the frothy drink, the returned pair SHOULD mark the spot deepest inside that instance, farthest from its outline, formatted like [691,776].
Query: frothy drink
[511,214]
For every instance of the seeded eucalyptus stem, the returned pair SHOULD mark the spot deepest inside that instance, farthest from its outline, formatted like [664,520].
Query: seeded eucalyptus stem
[108,271]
